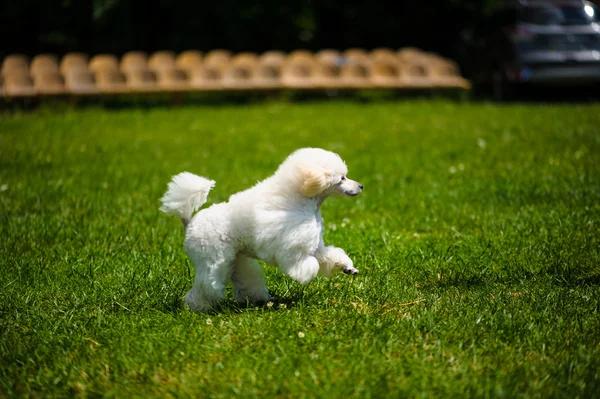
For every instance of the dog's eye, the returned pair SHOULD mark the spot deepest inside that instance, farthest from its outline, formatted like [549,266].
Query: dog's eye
[343,178]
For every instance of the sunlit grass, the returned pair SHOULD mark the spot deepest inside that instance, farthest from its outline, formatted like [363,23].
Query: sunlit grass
[477,238]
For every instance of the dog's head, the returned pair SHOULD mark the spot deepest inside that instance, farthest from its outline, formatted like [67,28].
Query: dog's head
[321,173]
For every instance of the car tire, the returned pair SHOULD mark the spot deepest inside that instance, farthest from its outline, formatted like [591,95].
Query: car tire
[502,88]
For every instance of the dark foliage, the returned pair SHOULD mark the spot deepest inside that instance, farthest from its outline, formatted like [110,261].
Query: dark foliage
[116,26]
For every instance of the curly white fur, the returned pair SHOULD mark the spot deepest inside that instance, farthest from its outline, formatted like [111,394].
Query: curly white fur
[277,221]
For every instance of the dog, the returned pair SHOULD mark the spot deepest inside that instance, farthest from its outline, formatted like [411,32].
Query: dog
[277,221]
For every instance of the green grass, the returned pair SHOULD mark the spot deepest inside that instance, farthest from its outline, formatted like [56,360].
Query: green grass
[477,238]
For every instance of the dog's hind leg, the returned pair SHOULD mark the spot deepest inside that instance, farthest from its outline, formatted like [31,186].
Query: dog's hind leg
[212,274]
[248,281]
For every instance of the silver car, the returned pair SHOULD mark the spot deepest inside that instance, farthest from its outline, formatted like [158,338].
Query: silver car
[541,43]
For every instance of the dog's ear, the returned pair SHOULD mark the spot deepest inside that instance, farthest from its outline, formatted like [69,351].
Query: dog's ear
[313,179]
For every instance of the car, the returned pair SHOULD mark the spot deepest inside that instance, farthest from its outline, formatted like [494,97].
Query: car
[536,43]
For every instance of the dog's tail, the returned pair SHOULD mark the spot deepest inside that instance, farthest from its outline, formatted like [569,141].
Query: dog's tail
[187,192]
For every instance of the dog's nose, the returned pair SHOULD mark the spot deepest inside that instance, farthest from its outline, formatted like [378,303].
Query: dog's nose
[360,186]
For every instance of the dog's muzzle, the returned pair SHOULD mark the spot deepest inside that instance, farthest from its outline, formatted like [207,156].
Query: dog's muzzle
[355,191]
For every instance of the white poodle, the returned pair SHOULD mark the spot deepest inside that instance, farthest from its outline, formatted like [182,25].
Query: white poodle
[277,221]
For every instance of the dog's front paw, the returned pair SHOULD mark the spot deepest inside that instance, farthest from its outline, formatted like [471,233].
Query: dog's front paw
[346,265]
[350,270]
[332,259]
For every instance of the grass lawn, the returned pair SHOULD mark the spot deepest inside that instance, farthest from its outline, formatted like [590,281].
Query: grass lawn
[477,238]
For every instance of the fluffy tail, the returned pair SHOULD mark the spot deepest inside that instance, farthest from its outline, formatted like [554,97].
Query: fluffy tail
[187,192]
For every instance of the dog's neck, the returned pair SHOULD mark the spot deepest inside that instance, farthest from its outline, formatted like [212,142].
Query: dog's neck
[319,200]
[291,200]
[313,203]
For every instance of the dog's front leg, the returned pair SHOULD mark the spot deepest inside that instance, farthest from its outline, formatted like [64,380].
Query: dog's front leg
[333,259]
[303,270]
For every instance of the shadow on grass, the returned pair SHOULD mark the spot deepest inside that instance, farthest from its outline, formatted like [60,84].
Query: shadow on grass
[593,279]
[175,305]
[561,277]
[566,276]
[460,282]
[474,280]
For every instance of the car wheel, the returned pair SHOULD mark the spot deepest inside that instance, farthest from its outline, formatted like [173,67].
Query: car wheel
[502,88]
[498,85]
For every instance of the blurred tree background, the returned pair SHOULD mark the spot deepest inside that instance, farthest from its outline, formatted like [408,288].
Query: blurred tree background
[117,26]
